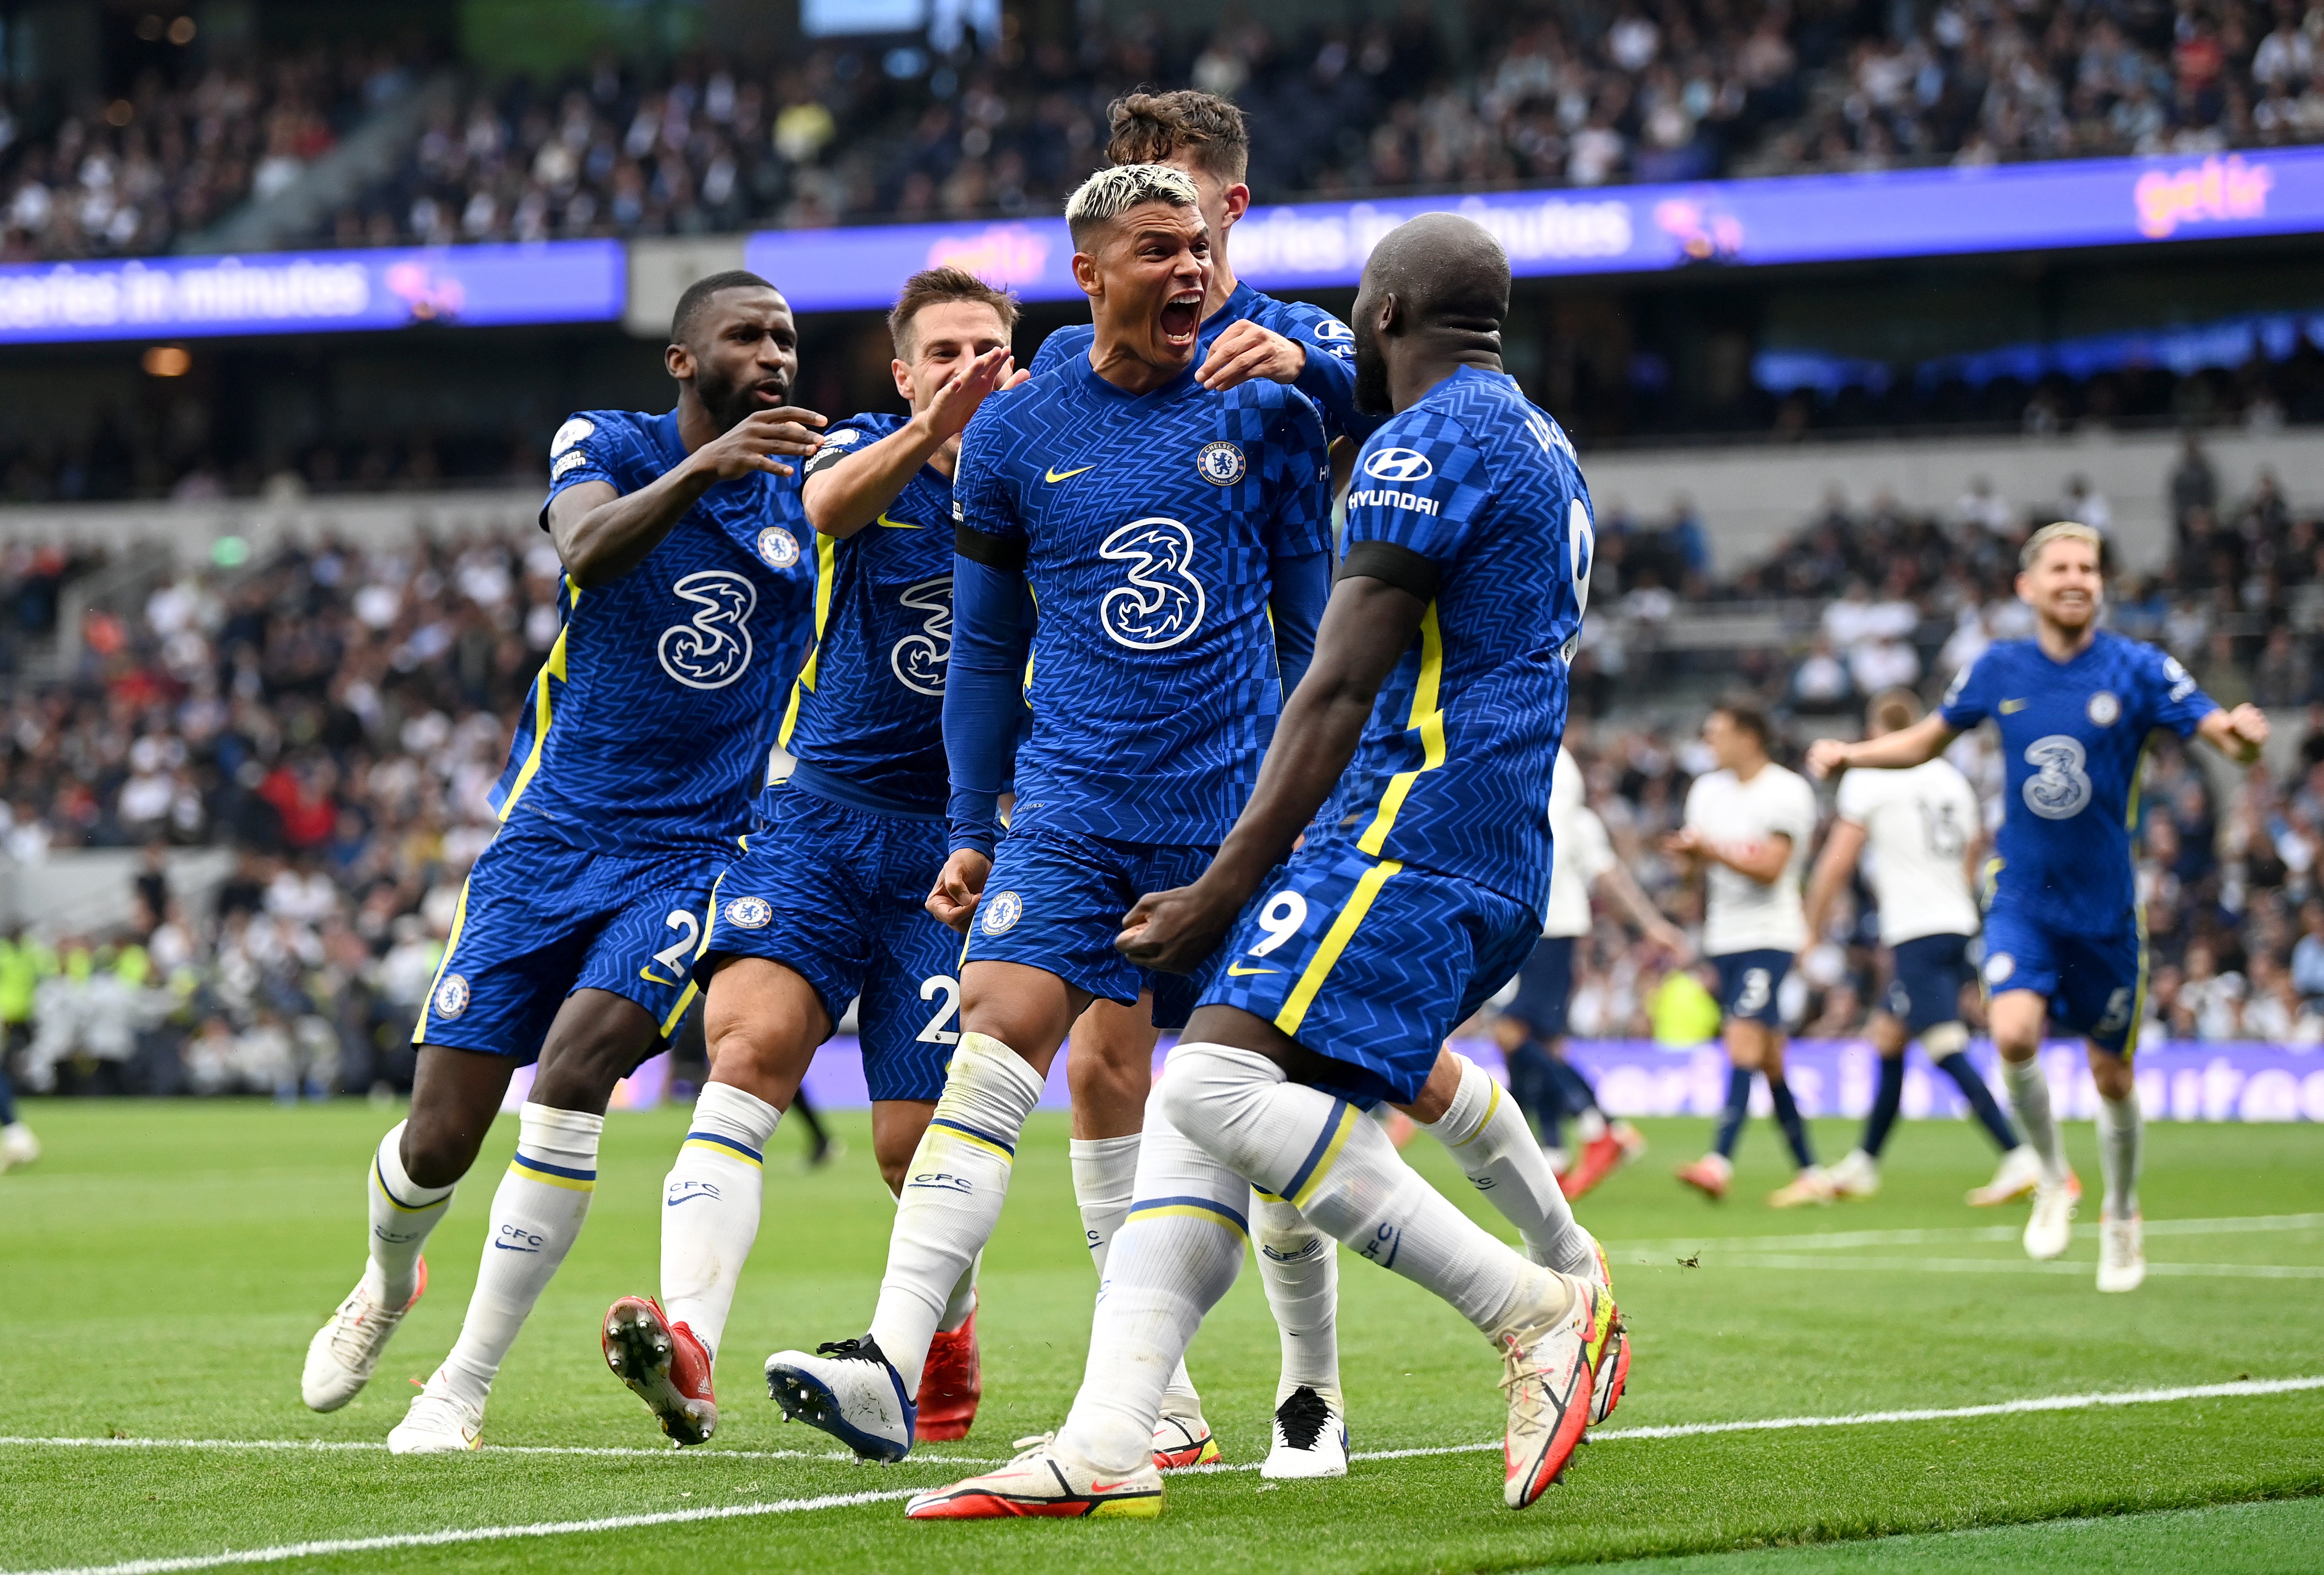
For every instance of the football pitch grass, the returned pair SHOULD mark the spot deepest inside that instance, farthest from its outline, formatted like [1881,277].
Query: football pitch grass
[165,1265]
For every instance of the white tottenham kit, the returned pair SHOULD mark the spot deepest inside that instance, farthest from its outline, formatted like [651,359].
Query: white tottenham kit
[1580,852]
[1740,914]
[1919,823]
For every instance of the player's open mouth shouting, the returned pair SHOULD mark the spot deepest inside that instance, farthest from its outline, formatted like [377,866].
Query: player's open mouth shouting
[1182,319]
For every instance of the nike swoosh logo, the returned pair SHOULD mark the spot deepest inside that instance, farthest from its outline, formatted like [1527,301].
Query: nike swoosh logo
[1055,476]
[1235,972]
[900,524]
[2012,707]
[505,1247]
[651,977]
[674,1203]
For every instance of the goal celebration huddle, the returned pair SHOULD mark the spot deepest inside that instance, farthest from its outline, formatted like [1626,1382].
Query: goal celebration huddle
[1098,730]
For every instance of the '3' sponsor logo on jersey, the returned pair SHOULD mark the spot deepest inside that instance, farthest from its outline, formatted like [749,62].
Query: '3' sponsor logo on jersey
[1160,602]
[918,659]
[712,649]
[2059,787]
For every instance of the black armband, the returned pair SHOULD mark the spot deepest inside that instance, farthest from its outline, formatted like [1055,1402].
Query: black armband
[991,551]
[1392,565]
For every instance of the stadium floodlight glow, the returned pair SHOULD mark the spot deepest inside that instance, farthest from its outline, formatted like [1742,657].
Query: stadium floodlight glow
[1635,229]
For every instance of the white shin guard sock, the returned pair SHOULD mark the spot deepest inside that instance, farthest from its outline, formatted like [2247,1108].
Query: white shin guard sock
[2029,1099]
[1177,1254]
[536,1217]
[2120,1127]
[962,1303]
[1105,1175]
[952,1197]
[403,1213]
[1487,1135]
[710,1207]
[1320,1155]
[1300,1267]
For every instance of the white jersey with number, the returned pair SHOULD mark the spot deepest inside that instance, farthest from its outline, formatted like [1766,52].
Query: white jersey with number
[1740,914]
[1918,825]
[1580,852]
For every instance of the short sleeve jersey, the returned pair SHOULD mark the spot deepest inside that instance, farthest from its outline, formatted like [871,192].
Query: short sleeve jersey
[1329,378]
[866,717]
[648,725]
[1145,526]
[1918,825]
[2073,734]
[1582,849]
[1458,757]
[1740,914]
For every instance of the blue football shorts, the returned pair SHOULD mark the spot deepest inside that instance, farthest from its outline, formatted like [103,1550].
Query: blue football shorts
[1926,988]
[2096,984]
[1369,963]
[1545,988]
[1748,983]
[1055,899]
[541,919]
[833,893]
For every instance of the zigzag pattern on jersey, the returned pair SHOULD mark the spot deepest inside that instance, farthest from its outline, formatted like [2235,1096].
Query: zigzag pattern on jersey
[1312,327]
[1153,683]
[869,707]
[647,727]
[1456,762]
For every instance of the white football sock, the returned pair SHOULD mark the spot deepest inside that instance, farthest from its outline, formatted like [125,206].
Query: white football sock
[963,1299]
[710,1206]
[952,1201]
[2029,1097]
[1320,1155]
[1178,1253]
[537,1214]
[1105,1175]
[1300,1267]
[1487,1135]
[2120,1127]
[403,1213]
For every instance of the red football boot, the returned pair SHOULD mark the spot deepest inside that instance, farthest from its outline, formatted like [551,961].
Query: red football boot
[664,1365]
[951,1384]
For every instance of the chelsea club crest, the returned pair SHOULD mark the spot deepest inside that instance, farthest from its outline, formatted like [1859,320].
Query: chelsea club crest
[1221,462]
[777,546]
[750,913]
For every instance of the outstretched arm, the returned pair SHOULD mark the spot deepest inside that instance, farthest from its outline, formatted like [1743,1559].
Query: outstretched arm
[1923,742]
[1367,627]
[2239,734]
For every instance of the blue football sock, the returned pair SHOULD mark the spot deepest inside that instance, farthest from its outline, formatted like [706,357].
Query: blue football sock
[1573,1090]
[1980,1099]
[1730,1119]
[1788,1117]
[7,1099]
[1884,1103]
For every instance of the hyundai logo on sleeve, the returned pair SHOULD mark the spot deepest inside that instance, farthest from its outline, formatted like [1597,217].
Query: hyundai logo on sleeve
[1399,465]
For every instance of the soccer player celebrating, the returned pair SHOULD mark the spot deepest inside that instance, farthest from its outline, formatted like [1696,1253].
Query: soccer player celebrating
[1417,891]
[1747,825]
[1177,541]
[687,607]
[1531,1028]
[1921,826]
[827,904]
[2063,934]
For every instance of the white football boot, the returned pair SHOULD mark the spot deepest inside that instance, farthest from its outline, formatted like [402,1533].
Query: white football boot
[345,1351]
[1311,1437]
[1043,1480]
[1547,1383]
[2018,1174]
[850,1390]
[2050,1226]
[439,1422]
[1607,1345]
[2122,1253]
[1856,1176]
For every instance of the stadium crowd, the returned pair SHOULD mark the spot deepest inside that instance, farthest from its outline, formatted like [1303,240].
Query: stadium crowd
[334,716]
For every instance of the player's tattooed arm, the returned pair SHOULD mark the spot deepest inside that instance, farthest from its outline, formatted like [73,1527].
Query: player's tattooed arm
[1923,742]
[847,493]
[1841,849]
[2239,734]
[1624,889]
[1368,625]
[602,534]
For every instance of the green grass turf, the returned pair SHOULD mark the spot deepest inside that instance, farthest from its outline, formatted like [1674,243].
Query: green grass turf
[166,1263]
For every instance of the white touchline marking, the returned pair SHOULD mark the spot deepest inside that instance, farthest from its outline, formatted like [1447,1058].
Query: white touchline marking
[288,1551]
[327,1446]
[1848,1240]
[2005,1266]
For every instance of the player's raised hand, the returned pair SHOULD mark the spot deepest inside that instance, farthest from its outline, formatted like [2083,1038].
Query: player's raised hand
[2246,732]
[1245,351]
[752,443]
[1825,756]
[965,390]
[1171,932]
[958,887]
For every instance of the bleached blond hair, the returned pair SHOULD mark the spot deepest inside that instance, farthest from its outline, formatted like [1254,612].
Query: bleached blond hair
[1108,194]
[2058,531]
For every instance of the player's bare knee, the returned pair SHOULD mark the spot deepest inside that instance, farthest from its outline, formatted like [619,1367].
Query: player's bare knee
[2112,1074]
[1435,1095]
[592,1046]
[439,1148]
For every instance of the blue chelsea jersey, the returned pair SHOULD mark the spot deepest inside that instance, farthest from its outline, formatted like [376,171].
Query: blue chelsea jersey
[1455,764]
[648,725]
[865,722]
[1146,524]
[1329,378]
[2072,736]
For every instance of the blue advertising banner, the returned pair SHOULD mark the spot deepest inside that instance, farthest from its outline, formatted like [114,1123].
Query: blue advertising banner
[293,293]
[1803,218]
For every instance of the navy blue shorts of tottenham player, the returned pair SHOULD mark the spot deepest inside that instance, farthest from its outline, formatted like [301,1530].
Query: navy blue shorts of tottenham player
[1055,900]
[833,893]
[541,919]
[2095,984]
[1370,963]
[1930,970]
[1748,983]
